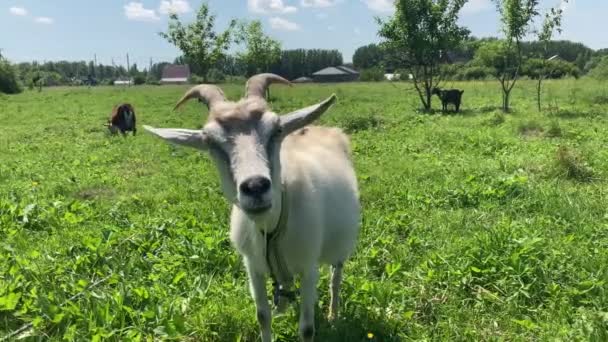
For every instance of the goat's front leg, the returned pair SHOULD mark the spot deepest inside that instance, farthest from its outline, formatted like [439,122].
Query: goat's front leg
[257,286]
[334,291]
[308,291]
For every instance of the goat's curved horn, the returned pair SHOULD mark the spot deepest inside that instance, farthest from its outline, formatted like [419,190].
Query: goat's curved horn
[258,84]
[209,94]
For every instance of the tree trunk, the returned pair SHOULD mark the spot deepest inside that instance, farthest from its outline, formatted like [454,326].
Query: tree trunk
[427,104]
[505,101]
[538,92]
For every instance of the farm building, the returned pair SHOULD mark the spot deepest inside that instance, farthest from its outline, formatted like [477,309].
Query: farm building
[336,74]
[122,81]
[175,74]
[302,80]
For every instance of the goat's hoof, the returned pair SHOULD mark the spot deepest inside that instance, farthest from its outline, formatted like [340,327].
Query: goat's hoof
[307,334]
[331,318]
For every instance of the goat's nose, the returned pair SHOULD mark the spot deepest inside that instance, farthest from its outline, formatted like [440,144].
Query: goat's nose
[255,186]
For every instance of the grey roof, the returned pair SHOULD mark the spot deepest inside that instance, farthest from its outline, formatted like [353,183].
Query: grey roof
[349,70]
[302,80]
[338,70]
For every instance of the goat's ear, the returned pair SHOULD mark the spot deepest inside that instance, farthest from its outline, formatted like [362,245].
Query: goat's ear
[179,136]
[302,117]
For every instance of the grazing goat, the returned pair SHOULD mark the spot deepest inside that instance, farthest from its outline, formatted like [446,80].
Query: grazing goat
[122,119]
[453,96]
[293,189]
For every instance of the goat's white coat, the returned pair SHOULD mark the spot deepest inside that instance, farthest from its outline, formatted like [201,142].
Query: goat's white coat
[324,212]
[313,166]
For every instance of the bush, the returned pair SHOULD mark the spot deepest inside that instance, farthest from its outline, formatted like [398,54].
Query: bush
[572,165]
[216,76]
[474,72]
[139,80]
[600,71]
[152,81]
[196,79]
[8,78]
[372,75]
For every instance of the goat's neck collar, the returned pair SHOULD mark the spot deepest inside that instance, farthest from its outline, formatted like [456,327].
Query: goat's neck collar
[278,221]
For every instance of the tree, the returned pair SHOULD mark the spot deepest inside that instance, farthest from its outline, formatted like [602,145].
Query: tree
[516,17]
[418,37]
[9,83]
[552,22]
[261,51]
[600,70]
[198,41]
[368,56]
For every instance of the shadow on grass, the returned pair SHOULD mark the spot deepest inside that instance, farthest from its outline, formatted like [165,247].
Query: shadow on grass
[462,111]
[354,327]
[573,113]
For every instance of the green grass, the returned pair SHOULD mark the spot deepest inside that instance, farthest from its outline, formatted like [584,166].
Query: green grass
[476,226]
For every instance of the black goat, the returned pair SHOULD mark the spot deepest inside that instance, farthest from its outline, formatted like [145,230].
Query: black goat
[453,96]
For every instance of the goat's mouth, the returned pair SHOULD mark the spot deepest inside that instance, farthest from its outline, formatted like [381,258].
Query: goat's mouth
[257,209]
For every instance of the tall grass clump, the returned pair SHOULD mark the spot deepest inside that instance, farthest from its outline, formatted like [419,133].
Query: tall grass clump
[572,165]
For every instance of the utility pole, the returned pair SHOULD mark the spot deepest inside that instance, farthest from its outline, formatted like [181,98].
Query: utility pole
[128,69]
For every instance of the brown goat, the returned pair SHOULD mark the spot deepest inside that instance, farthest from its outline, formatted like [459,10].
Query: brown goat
[122,119]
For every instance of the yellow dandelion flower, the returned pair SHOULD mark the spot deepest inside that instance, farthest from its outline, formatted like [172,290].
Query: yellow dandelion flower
[34,183]
[370,335]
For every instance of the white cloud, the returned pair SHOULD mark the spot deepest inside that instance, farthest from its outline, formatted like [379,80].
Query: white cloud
[476,6]
[321,15]
[18,11]
[44,20]
[282,24]
[380,5]
[174,6]
[136,11]
[318,3]
[270,6]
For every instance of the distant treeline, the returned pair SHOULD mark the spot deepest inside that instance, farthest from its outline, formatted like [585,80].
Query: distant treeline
[575,59]
[292,64]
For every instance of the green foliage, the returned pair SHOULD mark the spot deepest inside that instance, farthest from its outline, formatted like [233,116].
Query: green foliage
[470,231]
[301,62]
[261,51]
[368,56]
[9,82]
[505,56]
[536,68]
[201,45]
[216,76]
[372,75]
[600,70]
[417,35]
[572,165]
[139,79]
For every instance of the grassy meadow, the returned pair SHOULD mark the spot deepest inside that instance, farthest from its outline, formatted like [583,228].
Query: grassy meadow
[476,226]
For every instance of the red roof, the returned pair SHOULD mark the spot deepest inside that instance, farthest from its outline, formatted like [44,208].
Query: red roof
[176,71]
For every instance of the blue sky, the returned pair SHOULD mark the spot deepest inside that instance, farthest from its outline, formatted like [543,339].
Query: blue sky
[79,29]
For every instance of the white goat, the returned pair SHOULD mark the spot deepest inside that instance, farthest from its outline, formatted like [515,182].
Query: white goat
[293,189]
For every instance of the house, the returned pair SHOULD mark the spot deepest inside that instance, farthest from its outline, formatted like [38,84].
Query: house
[336,74]
[123,81]
[175,74]
[392,77]
[302,80]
